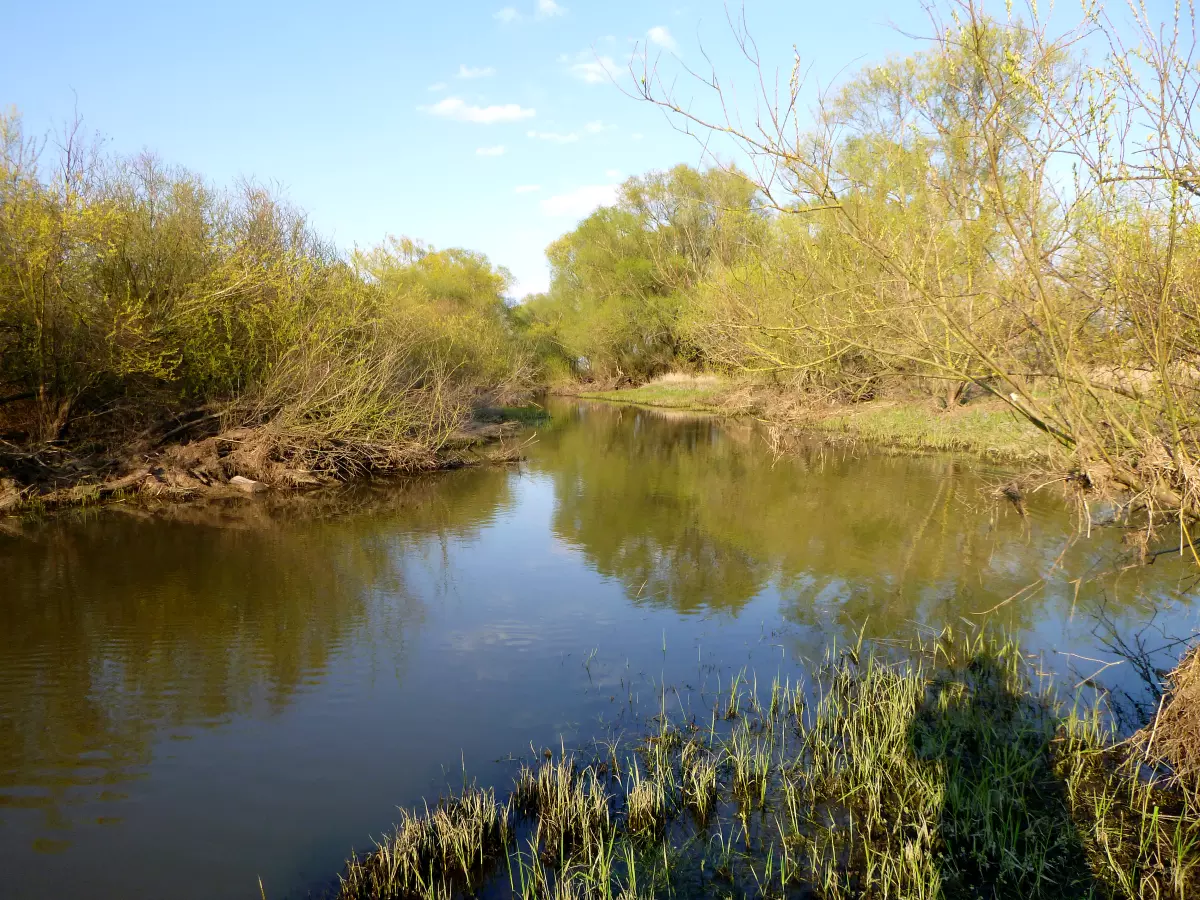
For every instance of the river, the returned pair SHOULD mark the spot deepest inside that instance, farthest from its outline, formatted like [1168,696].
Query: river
[196,697]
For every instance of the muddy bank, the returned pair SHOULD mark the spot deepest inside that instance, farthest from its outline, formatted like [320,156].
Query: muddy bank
[193,459]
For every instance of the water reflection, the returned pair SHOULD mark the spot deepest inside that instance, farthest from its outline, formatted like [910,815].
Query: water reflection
[193,696]
[120,627]
[696,515]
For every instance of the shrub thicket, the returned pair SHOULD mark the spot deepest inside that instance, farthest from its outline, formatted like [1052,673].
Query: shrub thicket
[996,212]
[131,291]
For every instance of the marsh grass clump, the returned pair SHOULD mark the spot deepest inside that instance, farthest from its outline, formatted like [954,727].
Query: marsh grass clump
[948,774]
[959,774]
[750,757]
[699,779]
[645,804]
[1139,825]
[733,706]
[436,853]
[951,772]
[660,750]
[571,806]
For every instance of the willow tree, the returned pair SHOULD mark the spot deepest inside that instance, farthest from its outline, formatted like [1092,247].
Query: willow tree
[995,211]
[621,280]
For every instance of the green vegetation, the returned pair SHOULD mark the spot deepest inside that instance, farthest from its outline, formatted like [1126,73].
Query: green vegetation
[993,215]
[139,303]
[988,429]
[993,431]
[952,773]
[623,280]
[695,393]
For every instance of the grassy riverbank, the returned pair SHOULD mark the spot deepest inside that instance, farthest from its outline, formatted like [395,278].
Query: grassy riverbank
[955,772]
[990,430]
[929,242]
[982,427]
[695,393]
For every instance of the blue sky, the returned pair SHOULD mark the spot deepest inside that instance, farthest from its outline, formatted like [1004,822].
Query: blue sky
[477,124]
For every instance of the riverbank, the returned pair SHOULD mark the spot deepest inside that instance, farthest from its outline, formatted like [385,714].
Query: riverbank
[983,426]
[162,335]
[952,772]
[196,459]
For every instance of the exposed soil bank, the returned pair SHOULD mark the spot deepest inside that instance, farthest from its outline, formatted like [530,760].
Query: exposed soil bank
[981,425]
[194,459]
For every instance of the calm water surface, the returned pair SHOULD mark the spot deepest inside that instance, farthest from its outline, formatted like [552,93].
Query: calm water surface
[195,698]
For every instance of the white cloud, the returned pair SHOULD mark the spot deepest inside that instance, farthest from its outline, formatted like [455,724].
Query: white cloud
[553,137]
[440,86]
[545,9]
[455,108]
[636,136]
[469,72]
[569,137]
[539,284]
[596,70]
[661,36]
[498,150]
[526,188]
[614,174]
[581,201]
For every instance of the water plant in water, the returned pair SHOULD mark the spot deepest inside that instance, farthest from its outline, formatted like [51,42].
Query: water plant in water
[435,853]
[954,771]
[699,779]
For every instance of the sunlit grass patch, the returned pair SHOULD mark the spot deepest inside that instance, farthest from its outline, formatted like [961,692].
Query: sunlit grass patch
[988,430]
[699,393]
[438,852]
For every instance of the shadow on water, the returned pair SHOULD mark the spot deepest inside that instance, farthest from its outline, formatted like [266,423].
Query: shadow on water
[1005,828]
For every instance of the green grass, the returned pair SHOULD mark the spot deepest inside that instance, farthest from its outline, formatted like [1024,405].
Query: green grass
[990,430]
[700,394]
[984,429]
[950,773]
